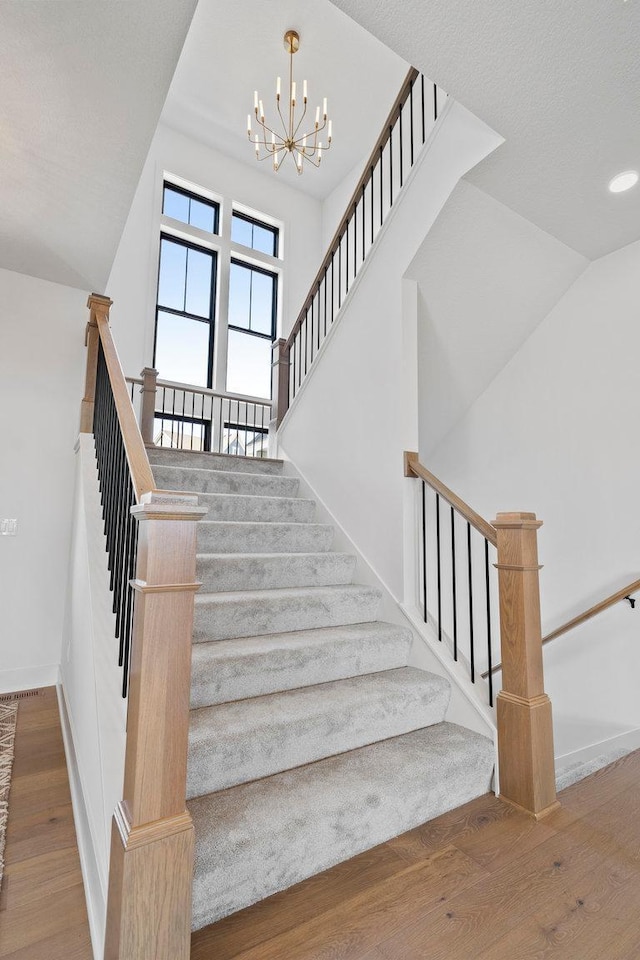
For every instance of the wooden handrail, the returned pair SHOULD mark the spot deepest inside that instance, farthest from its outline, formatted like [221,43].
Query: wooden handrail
[413,468]
[621,594]
[381,142]
[139,467]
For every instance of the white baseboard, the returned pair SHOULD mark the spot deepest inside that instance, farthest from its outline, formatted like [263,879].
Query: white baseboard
[96,904]
[28,678]
[624,741]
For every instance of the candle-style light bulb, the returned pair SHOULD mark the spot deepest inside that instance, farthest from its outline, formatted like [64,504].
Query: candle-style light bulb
[257,146]
[317,116]
[304,91]
[255,100]
[319,153]
[304,144]
[293,94]
[330,130]
[275,161]
[299,162]
[324,108]
[261,112]
[278,88]
[249,125]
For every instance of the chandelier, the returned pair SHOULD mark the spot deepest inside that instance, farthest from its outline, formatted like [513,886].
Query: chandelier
[303,147]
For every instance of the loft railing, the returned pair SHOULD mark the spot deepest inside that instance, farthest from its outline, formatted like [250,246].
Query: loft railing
[624,593]
[185,417]
[403,135]
[151,545]
[523,710]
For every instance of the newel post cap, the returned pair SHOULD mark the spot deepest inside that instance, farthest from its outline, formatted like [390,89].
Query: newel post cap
[517,520]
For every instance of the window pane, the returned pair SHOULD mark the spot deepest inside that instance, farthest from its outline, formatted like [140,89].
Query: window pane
[239,296]
[262,289]
[202,215]
[171,285]
[264,240]
[198,299]
[175,205]
[248,364]
[244,441]
[182,349]
[182,434]
[241,231]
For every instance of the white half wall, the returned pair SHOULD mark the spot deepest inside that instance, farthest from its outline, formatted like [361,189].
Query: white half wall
[555,433]
[133,281]
[42,358]
[349,424]
[94,712]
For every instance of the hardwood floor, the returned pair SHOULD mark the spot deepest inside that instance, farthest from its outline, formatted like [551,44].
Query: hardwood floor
[43,912]
[481,883]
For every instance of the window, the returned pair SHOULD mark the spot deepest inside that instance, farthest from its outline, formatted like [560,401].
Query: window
[252,233]
[184,315]
[235,271]
[252,329]
[189,208]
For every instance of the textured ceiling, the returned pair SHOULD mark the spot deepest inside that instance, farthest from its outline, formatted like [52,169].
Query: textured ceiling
[559,80]
[82,86]
[235,48]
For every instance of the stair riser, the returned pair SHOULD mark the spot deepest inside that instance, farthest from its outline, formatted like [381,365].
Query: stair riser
[212,461]
[227,677]
[221,620]
[237,752]
[219,574]
[204,481]
[264,537]
[258,509]
[302,822]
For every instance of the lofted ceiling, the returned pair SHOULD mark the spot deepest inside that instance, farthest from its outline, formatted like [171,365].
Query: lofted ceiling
[83,85]
[559,80]
[235,48]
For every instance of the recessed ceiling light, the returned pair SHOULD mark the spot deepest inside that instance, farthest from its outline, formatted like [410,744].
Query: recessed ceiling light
[624,181]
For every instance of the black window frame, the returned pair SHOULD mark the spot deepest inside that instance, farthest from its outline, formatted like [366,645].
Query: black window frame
[258,223]
[211,320]
[191,195]
[274,306]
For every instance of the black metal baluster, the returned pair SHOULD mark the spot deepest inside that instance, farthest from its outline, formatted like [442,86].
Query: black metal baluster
[424,551]
[333,258]
[390,167]
[422,92]
[324,291]
[411,120]
[340,271]
[438,567]
[346,269]
[371,183]
[400,139]
[472,658]
[489,659]
[381,184]
[453,584]
[363,222]
[435,102]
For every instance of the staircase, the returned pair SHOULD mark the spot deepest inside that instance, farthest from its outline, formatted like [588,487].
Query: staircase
[310,738]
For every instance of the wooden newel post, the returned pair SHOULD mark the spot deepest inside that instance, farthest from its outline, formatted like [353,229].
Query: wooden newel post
[525,729]
[98,306]
[279,381]
[151,867]
[148,406]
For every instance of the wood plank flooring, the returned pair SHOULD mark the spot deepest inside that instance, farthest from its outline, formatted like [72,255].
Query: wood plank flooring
[481,883]
[43,913]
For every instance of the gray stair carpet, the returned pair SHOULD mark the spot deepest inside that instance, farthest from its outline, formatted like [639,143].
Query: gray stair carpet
[310,738]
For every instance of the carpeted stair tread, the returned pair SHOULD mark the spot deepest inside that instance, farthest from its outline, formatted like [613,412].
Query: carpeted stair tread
[226,670]
[233,536]
[255,839]
[249,571]
[251,613]
[194,480]
[236,742]
[166,456]
[233,506]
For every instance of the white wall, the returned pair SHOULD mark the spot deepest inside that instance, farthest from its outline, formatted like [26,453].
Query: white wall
[486,277]
[132,284]
[555,433]
[42,359]
[94,711]
[348,425]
